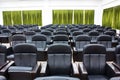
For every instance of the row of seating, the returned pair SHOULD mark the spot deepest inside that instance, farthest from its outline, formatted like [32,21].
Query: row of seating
[93,66]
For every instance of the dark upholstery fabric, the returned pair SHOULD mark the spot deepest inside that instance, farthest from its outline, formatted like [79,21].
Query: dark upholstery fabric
[94,59]
[97,77]
[59,59]
[25,55]
[117,54]
[3,50]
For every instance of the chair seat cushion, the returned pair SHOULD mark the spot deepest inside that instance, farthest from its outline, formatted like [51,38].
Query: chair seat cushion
[97,77]
[10,57]
[115,78]
[56,78]
[19,69]
[40,49]
[2,78]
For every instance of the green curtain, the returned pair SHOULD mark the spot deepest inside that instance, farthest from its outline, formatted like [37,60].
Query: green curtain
[89,17]
[78,16]
[7,20]
[62,16]
[16,17]
[32,17]
[117,17]
[108,17]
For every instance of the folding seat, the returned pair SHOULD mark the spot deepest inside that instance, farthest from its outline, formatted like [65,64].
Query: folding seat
[13,30]
[61,39]
[29,35]
[93,35]
[40,42]
[94,65]
[59,62]
[56,78]
[25,65]
[48,34]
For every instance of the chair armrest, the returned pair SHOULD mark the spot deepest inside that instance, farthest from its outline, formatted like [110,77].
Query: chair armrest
[75,70]
[117,66]
[74,49]
[36,68]
[5,68]
[43,68]
[112,69]
[82,71]
[82,68]
[46,49]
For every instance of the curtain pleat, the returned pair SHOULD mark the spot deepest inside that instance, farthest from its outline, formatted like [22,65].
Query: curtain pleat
[62,16]
[7,20]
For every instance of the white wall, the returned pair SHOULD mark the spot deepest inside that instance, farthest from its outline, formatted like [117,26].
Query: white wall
[48,5]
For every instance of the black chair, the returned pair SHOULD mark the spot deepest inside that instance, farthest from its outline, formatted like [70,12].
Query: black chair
[18,38]
[29,35]
[56,78]
[93,35]
[106,40]
[25,65]
[94,65]
[59,62]
[81,41]
[40,41]
[4,65]
[111,33]
[61,39]
[75,34]
[48,34]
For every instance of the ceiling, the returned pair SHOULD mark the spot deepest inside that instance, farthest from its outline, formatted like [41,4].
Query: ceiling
[46,0]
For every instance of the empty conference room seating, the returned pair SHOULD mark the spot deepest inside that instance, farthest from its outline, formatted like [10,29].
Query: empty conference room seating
[94,66]
[59,62]
[40,41]
[25,65]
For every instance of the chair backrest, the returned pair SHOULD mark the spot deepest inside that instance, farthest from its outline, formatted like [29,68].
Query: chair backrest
[6,32]
[81,41]
[18,38]
[48,35]
[111,33]
[59,59]
[3,51]
[106,40]
[25,55]
[93,35]
[29,35]
[40,41]
[94,58]
[60,39]
[117,55]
